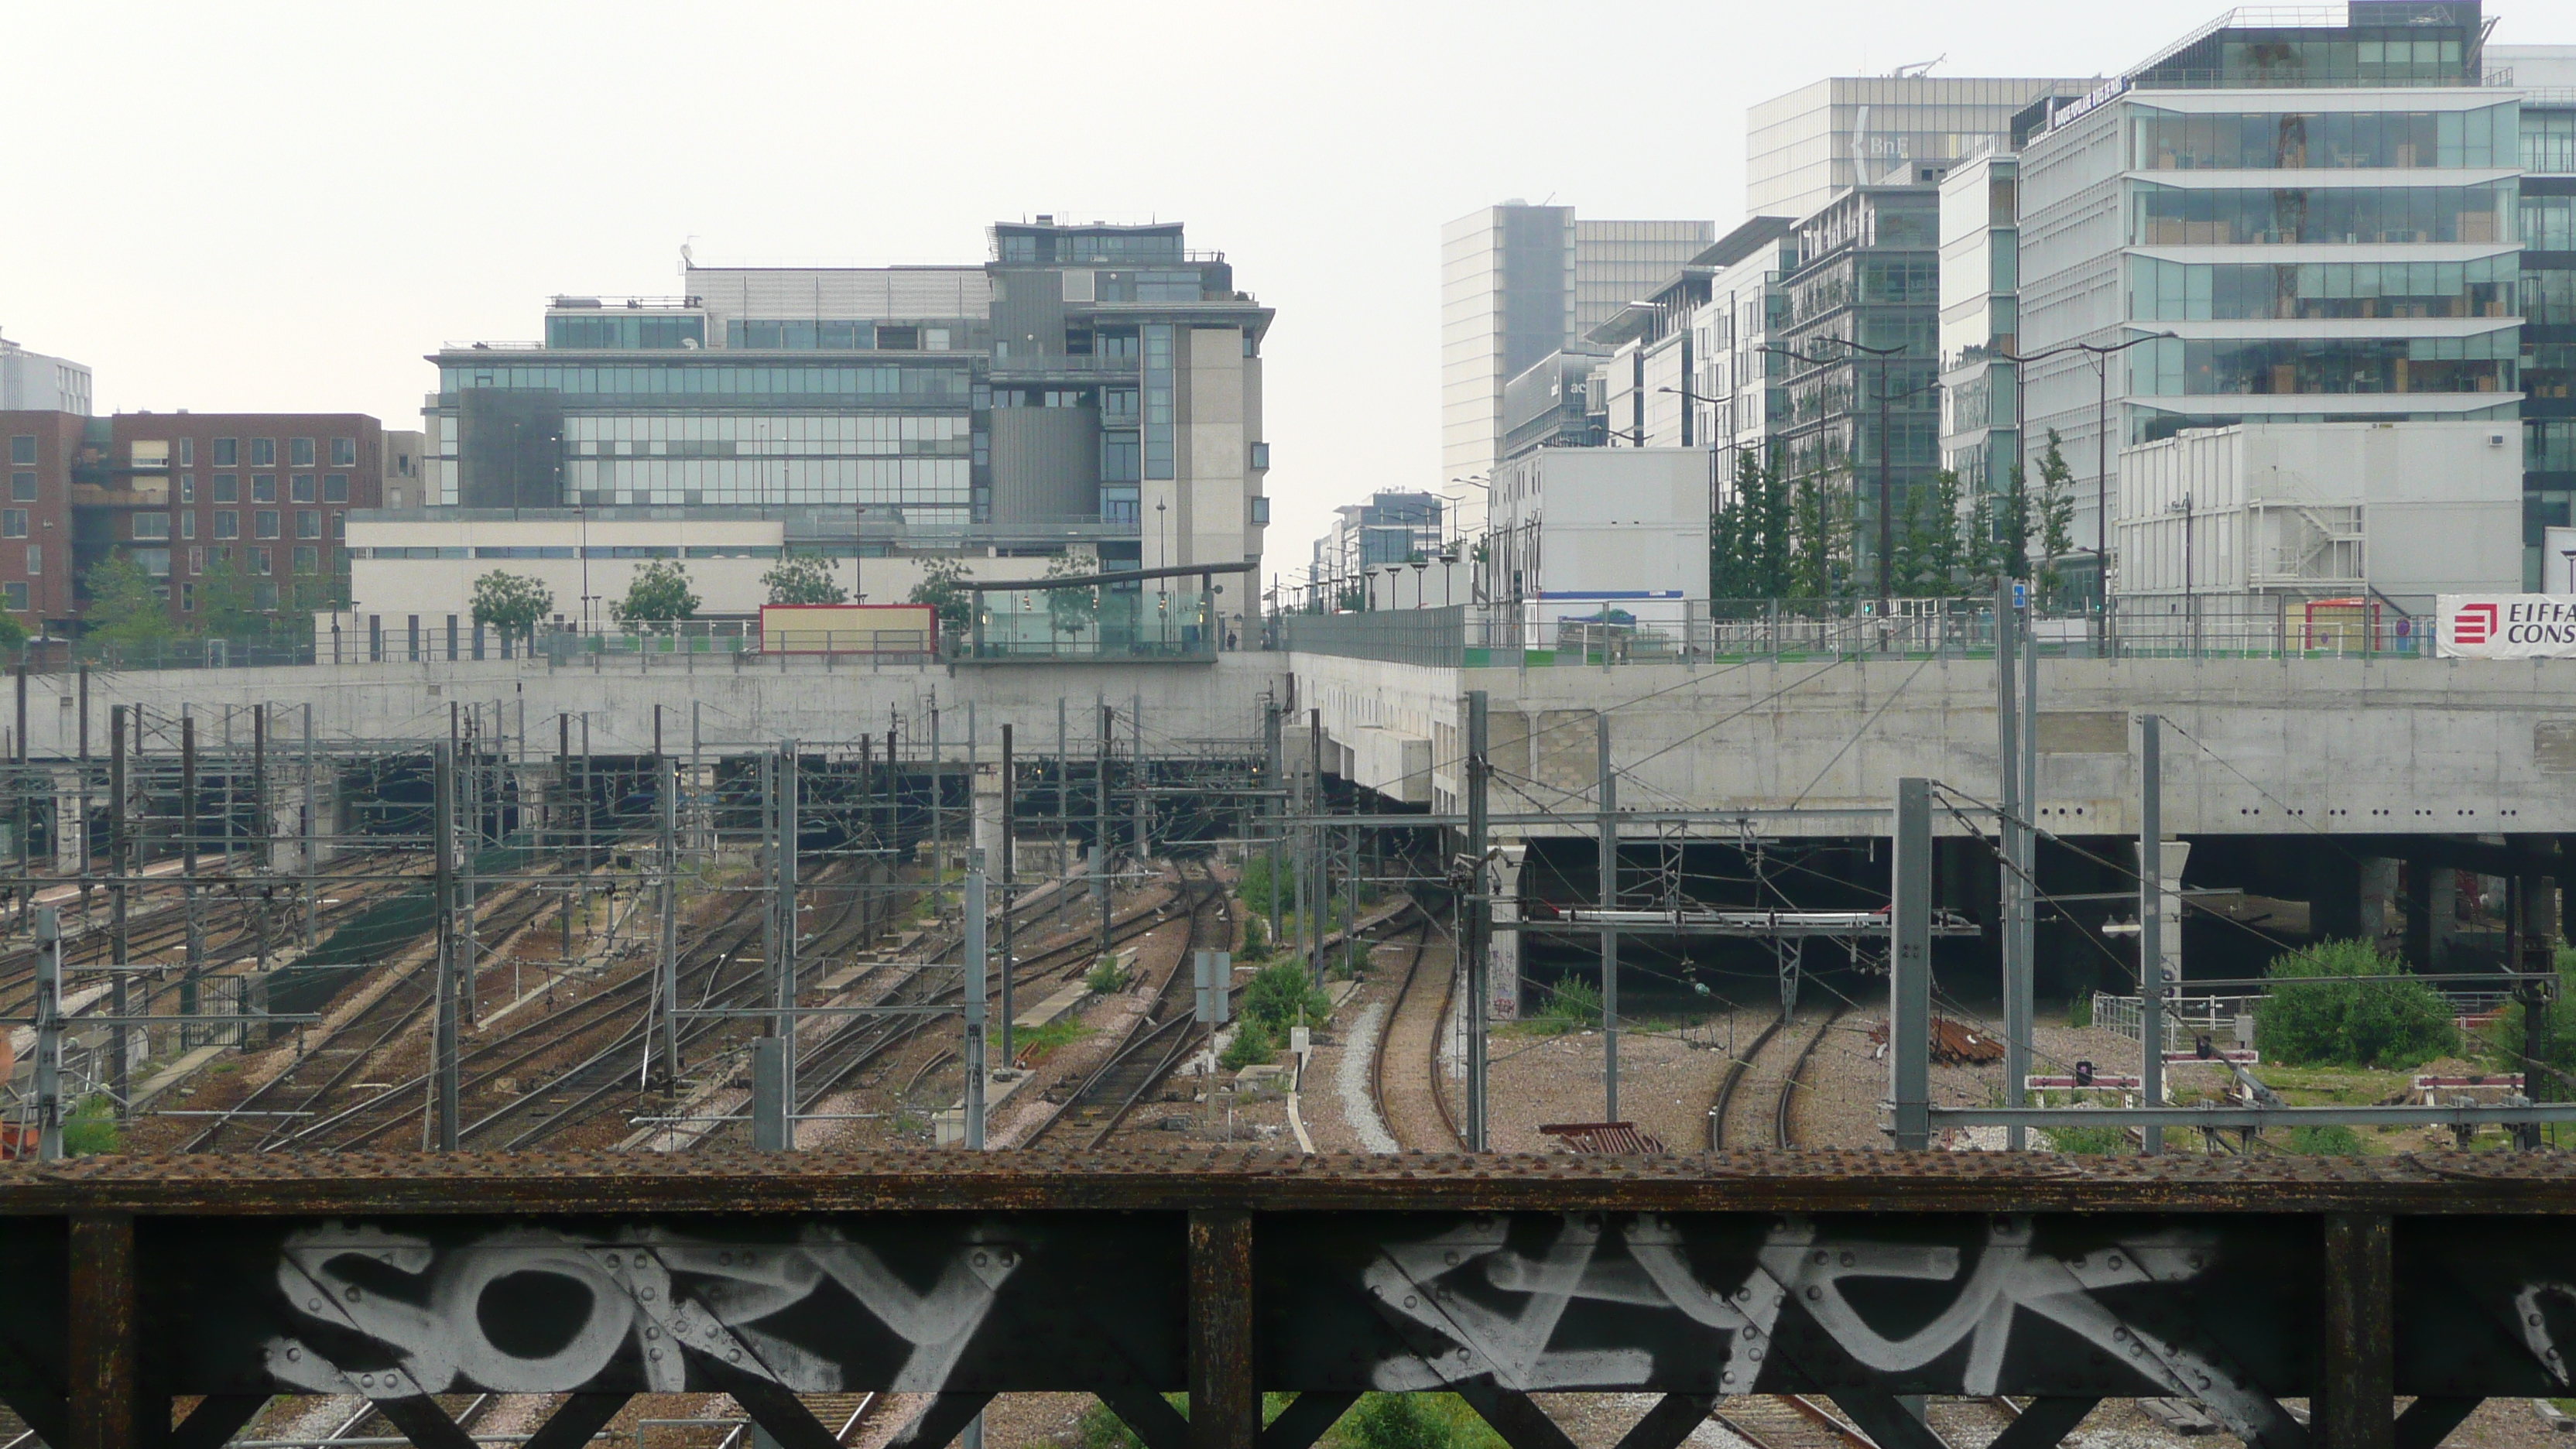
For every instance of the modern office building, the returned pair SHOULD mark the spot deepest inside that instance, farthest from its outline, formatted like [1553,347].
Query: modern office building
[31,382]
[1392,527]
[1519,282]
[2545,77]
[1980,318]
[1095,388]
[1805,148]
[2284,217]
[1669,379]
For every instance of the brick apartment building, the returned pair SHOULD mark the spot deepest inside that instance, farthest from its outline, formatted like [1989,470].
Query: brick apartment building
[184,493]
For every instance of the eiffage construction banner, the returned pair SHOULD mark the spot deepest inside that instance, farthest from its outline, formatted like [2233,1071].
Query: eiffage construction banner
[2508,626]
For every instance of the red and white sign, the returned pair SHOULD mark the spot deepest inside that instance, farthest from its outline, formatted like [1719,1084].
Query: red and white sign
[2507,626]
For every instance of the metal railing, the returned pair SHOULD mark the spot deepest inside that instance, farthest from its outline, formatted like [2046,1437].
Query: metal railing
[1538,633]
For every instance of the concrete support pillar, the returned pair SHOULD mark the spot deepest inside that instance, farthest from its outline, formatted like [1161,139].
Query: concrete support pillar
[985,834]
[2378,896]
[2334,895]
[71,832]
[1503,957]
[2441,916]
[2419,915]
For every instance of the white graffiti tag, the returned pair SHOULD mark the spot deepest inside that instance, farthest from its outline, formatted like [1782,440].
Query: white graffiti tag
[442,1345]
[1795,1261]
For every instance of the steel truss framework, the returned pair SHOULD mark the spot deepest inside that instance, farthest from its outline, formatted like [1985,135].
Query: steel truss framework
[1860,1276]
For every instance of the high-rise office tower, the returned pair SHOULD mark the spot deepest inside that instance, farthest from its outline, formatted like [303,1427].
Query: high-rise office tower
[1518,282]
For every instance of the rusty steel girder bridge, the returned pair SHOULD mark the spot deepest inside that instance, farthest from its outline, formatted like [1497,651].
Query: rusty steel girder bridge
[128,1283]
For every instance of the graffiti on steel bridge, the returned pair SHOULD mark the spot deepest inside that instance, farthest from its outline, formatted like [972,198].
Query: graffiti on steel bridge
[653,1298]
[1806,1300]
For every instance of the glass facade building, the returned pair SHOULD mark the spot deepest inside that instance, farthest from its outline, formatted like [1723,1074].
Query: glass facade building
[2327,211]
[1093,386]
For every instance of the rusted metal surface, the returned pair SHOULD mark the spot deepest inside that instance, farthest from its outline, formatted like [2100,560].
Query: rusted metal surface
[2356,1378]
[104,1334]
[1225,1393]
[1605,1139]
[1271,1181]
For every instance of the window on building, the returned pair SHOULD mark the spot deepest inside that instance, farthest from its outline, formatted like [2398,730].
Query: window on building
[22,450]
[187,487]
[308,523]
[227,523]
[1118,403]
[153,561]
[227,452]
[151,525]
[261,562]
[335,487]
[14,594]
[299,452]
[22,487]
[898,339]
[263,488]
[187,598]
[344,452]
[264,523]
[13,523]
[263,452]
[339,525]
[196,561]
[300,488]
[187,452]
[263,597]
[187,525]
[308,560]
[35,558]
[149,453]
[228,488]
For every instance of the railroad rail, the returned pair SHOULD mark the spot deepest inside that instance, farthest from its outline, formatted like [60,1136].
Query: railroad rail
[1417,1015]
[1715,1282]
[1789,1085]
[1157,1041]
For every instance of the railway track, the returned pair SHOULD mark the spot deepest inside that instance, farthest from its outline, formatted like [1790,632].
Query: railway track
[1780,1116]
[359,1042]
[861,1042]
[1154,1045]
[1787,1421]
[1412,1036]
[1732,1082]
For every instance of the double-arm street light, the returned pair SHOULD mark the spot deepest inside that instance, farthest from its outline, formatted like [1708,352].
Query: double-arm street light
[2101,356]
[1886,522]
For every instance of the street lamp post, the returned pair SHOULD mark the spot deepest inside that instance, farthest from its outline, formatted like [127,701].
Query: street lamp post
[2101,356]
[858,549]
[1886,487]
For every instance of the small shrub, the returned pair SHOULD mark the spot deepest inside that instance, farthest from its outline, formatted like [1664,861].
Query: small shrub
[1251,1046]
[1572,1006]
[1252,887]
[2328,1141]
[2089,1141]
[1105,977]
[1256,938]
[1276,995]
[2079,1012]
[91,1128]
[2313,1017]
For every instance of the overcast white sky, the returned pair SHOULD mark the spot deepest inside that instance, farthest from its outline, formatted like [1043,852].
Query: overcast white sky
[268,206]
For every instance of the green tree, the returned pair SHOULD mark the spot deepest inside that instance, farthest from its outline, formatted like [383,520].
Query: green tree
[1750,542]
[1071,611]
[802,578]
[2315,1014]
[1278,994]
[125,607]
[2053,514]
[658,594]
[941,587]
[13,635]
[1820,538]
[228,605]
[511,603]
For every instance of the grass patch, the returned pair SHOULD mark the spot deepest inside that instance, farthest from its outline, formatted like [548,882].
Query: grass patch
[1571,1006]
[2089,1141]
[2326,1141]
[1106,977]
[1034,1047]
